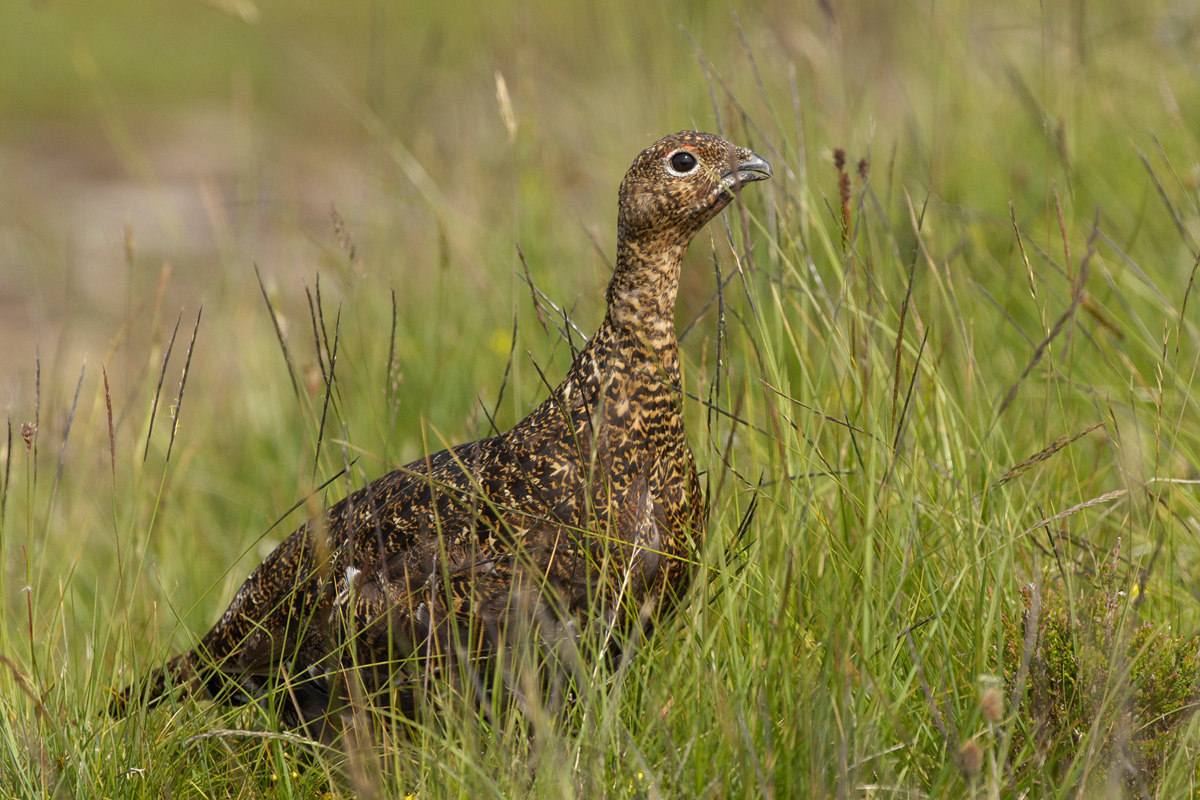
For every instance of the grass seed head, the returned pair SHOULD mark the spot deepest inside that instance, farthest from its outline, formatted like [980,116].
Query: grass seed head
[970,759]
[992,702]
[29,434]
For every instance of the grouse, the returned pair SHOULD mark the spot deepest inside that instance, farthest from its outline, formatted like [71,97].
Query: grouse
[586,515]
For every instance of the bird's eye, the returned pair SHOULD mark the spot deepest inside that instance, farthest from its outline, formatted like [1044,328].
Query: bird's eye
[683,161]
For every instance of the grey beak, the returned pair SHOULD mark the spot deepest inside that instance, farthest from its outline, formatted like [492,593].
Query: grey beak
[753,168]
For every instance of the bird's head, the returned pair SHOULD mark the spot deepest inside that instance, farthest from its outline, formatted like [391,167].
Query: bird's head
[681,182]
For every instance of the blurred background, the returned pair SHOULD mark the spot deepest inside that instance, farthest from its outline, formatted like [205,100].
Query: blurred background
[216,136]
[213,136]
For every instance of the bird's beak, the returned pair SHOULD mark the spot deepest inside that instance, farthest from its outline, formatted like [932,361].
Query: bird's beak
[753,168]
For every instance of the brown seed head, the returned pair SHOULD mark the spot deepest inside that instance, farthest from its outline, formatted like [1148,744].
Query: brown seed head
[970,759]
[29,434]
[992,702]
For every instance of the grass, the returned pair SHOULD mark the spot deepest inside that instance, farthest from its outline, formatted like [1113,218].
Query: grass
[930,393]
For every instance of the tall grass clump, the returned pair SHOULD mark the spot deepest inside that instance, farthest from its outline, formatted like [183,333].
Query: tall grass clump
[939,374]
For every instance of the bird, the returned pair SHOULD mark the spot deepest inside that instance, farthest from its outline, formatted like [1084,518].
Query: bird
[583,518]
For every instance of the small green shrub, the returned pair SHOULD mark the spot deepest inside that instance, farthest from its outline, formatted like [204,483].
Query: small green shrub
[1100,684]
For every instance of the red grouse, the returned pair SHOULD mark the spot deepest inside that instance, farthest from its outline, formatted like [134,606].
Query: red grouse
[583,516]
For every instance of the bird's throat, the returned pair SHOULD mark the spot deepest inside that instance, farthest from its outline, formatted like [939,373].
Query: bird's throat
[641,295]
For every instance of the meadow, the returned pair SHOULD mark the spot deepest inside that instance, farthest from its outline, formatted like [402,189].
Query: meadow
[939,376]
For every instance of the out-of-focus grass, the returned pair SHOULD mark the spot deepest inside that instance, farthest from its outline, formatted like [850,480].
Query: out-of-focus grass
[842,648]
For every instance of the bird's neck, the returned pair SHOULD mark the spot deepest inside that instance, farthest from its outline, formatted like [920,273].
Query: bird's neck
[634,353]
[642,292]
[636,342]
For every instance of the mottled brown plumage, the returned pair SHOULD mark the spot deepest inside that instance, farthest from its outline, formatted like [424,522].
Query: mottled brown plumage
[586,514]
